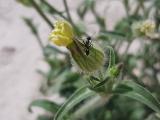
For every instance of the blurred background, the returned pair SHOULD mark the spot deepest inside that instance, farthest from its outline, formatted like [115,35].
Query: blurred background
[24,59]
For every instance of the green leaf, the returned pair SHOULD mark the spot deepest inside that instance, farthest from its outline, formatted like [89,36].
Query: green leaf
[126,4]
[101,21]
[89,3]
[137,92]
[45,104]
[47,7]
[82,10]
[30,24]
[101,83]
[94,78]
[80,28]
[106,35]
[44,117]
[76,98]
[122,89]
[84,7]
[26,3]
[111,57]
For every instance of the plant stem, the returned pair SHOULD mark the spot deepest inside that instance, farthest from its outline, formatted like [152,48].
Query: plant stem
[53,9]
[40,43]
[141,2]
[127,7]
[127,48]
[136,11]
[35,5]
[67,11]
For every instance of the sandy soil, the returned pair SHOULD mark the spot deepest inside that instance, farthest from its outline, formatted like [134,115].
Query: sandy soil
[19,57]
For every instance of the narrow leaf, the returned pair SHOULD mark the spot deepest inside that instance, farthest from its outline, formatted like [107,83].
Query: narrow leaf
[137,92]
[112,34]
[45,104]
[30,24]
[111,57]
[76,98]
[101,83]
[94,78]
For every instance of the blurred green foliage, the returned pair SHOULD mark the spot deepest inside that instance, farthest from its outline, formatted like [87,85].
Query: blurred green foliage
[61,78]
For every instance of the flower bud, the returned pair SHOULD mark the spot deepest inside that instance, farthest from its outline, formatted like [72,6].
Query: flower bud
[114,71]
[63,35]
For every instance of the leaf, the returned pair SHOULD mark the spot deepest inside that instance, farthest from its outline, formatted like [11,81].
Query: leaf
[84,7]
[44,117]
[101,21]
[30,24]
[26,3]
[139,93]
[44,5]
[82,10]
[156,4]
[105,35]
[122,89]
[94,78]
[76,98]
[111,57]
[89,3]
[45,104]
[80,28]
[101,83]
[71,78]
[126,4]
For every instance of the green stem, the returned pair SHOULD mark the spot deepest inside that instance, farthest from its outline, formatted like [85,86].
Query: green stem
[136,11]
[97,18]
[53,9]
[67,11]
[143,7]
[127,7]
[53,47]
[40,43]
[157,18]
[35,5]
[127,48]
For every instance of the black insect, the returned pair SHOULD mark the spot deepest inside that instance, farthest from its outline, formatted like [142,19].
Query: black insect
[87,45]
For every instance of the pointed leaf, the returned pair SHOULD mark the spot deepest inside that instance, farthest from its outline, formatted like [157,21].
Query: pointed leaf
[76,98]
[111,57]
[137,92]
[45,104]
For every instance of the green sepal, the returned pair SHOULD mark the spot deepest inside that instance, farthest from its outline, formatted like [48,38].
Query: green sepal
[87,63]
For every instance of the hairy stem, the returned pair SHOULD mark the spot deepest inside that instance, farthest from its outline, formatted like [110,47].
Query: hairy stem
[35,5]
[53,9]
[40,43]
[67,11]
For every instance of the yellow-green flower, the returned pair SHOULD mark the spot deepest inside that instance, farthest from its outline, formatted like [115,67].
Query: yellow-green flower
[143,28]
[147,27]
[63,34]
